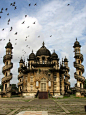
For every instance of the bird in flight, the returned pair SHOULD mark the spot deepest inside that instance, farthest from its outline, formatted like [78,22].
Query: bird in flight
[6,9]
[16,33]
[38,36]
[11,29]
[11,4]
[3,29]
[51,36]
[68,4]
[15,8]
[9,20]
[1,11]
[0,16]
[33,22]
[23,22]
[35,4]
[8,14]
[25,16]
[30,4]
[28,26]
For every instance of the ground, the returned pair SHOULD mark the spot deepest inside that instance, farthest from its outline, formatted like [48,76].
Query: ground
[66,106]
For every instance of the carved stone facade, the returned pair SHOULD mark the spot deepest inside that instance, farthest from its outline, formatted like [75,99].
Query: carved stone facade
[6,71]
[79,70]
[43,73]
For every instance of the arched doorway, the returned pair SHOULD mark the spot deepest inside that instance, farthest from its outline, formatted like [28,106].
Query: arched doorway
[43,85]
[43,94]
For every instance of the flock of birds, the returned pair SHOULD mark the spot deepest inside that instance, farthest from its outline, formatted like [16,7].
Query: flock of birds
[11,28]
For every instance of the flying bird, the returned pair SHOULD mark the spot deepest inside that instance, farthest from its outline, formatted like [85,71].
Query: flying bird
[15,39]
[25,16]
[11,29]
[15,8]
[16,33]
[51,36]
[23,22]
[30,4]
[0,39]
[9,20]
[28,26]
[8,14]
[68,4]
[33,22]
[3,29]
[1,11]
[8,23]
[6,9]
[11,4]
[38,36]
[35,4]
[0,16]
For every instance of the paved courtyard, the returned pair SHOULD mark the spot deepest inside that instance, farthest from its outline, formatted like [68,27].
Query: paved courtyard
[51,106]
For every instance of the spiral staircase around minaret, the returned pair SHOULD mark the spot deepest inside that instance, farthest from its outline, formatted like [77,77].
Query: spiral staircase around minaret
[6,71]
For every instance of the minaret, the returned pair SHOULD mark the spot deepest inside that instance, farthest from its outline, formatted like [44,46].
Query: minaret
[79,69]
[67,76]
[6,70]
[20,76]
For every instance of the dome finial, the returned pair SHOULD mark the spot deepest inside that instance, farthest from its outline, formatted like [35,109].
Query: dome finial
[32,51]
[54,50]
[9,40]
[76,39]
[43,43]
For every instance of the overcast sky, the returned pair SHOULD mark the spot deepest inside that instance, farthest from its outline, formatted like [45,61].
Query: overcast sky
[52,17]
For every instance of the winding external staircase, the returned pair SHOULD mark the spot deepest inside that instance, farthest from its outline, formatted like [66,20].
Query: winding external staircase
[79,70]
[6,70]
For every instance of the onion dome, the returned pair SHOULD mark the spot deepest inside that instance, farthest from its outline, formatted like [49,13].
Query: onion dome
[21,60]
[54,55]
[32,56]
[43,51]
[65,60]
[76,44]
[9,45]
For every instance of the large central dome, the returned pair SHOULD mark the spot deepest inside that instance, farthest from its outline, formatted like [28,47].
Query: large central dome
[43,51]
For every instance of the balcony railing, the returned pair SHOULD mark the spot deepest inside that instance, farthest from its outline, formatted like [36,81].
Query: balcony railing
[7,56]
[7,67]
[20,75]
[80,66]
[81,78]
[79,55]
[20,83]
[80,89]
[7,78]
[67,75]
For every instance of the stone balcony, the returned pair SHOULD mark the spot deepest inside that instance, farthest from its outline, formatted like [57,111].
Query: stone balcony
[79,66]
[81,78]
[20,83]
[6,57]
[7,78]
[79,55]
[67,75]
[20,75]
[80,89]
[7,67]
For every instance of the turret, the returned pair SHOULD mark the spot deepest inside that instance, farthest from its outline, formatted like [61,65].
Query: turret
[6,70]
[79,68]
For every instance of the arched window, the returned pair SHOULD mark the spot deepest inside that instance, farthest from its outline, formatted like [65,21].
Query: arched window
[43,60]
[79,72]
[49,83]
[37,83]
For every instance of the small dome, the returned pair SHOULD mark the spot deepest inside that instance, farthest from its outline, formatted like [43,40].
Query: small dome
[76,44]
[21,60]
[54,55]
[65,60]
[32,56]
[43,51]
[9,45]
